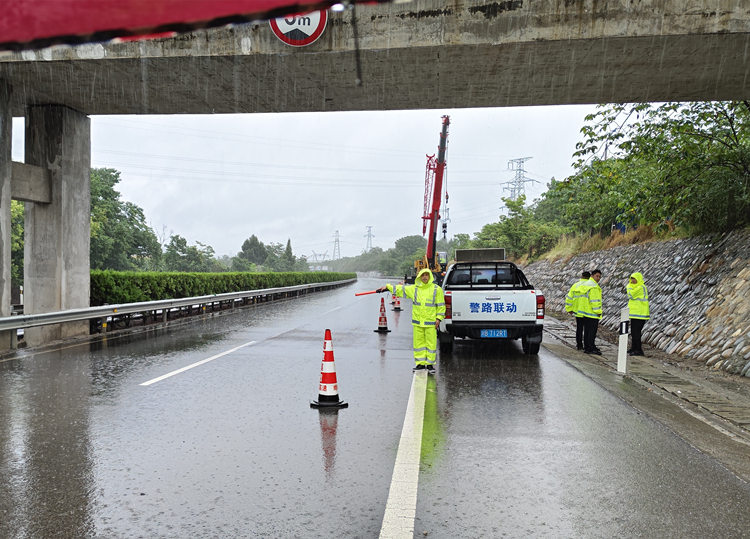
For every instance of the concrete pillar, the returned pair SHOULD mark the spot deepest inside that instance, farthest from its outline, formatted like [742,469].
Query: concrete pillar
[57,235]
[6,137]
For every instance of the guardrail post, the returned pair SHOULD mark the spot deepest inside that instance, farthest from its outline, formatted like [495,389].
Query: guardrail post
[164,315]
[104,324]
[622,350]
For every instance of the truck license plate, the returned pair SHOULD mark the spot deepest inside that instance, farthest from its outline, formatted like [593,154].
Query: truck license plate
[493,333]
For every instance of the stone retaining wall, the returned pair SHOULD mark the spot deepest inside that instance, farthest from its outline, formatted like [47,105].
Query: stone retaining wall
[699,293]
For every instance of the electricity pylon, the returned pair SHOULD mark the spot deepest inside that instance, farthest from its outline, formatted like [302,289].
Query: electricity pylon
[336,247]
[516,185]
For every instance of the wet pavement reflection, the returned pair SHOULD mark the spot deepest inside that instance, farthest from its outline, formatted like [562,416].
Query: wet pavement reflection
[46,466]
[328,424]
[532,448]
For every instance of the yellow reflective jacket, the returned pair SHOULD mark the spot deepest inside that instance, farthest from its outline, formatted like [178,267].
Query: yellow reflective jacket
[638,298]
[428,302]
[591,302]
[573,299]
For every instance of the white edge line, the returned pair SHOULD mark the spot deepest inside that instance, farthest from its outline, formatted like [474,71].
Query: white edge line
[401,507]
[183,369]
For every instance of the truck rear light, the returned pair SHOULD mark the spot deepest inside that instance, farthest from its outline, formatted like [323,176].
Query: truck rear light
[540,307]
[448,305]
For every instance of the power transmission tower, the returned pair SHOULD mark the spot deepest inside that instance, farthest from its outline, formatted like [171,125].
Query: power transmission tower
[516,185]
[369,237]
[336,247]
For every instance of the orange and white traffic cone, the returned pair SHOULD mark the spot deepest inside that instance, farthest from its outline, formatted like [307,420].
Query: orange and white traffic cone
[382,321]
[328,389]
[397,305]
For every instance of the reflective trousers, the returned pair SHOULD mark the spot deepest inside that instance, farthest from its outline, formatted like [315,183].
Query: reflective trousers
[425,345]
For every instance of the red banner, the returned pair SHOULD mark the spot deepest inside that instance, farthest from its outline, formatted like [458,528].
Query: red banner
[33,24]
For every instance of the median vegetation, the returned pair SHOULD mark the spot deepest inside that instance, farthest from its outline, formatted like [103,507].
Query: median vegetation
[115,287]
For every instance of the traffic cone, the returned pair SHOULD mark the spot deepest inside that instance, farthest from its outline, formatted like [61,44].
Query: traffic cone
[328,389]
[397,305]
[382,321]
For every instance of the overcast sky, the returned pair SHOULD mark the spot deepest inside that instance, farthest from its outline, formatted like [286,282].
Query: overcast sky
[218,179]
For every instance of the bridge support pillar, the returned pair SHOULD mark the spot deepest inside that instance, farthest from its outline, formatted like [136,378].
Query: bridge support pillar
[57,235]
[6,137]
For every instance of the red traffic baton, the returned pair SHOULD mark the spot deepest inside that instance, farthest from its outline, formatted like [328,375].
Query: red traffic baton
[365,293]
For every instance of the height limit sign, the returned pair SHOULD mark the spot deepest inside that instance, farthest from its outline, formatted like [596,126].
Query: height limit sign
[300,30]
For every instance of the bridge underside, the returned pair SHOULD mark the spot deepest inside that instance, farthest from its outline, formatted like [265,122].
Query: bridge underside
[576,71]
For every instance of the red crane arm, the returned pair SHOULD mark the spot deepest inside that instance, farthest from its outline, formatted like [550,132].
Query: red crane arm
[433,191]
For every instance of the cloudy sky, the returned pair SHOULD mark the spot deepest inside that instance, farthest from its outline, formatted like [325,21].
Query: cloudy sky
[218,179]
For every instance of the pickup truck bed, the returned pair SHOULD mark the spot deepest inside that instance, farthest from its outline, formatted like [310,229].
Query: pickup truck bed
[491,300]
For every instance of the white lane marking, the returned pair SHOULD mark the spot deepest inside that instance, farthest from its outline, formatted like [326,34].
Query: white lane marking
[401,507]
[325,313]
[183,369]
[178,371]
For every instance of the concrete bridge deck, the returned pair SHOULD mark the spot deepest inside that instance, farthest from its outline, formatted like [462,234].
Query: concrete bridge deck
[421,54]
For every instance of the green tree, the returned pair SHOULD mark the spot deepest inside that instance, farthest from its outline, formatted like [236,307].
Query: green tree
[461,241]
[408,245]
[519,233]
[550,207]
[685,164]
[16,242]
[241,264]
[253,250]
[280,258]
[388,265]
[288,257]
[180,256]
[120,238]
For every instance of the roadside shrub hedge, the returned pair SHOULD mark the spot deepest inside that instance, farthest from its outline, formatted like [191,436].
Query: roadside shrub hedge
[114,287]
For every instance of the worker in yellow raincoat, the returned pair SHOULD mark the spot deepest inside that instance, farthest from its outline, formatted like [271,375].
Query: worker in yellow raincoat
[639,311]
[428,310]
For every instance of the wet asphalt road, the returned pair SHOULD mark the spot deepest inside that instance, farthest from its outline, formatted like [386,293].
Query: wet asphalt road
[513,446]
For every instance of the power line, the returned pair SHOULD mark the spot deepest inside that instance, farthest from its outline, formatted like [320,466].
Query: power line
[251,164]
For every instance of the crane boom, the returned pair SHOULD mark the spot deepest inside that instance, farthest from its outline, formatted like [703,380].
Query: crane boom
[432,200]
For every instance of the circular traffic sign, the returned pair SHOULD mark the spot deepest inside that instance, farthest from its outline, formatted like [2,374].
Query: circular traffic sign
[301,29]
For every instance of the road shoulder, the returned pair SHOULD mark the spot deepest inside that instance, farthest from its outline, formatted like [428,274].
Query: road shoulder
[703,430]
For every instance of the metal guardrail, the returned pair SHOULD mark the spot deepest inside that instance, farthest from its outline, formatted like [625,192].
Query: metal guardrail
[106,311]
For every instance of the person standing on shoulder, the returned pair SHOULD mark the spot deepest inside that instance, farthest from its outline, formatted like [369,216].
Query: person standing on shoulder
[591,309]
[428,309]
[639,312]
[571,306]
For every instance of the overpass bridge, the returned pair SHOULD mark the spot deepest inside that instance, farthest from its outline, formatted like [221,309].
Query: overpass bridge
[415,55]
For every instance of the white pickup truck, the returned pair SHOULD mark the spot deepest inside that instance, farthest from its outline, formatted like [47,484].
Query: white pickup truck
[490,298]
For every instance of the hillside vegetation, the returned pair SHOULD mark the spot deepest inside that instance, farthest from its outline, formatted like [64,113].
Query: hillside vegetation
[643,172]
